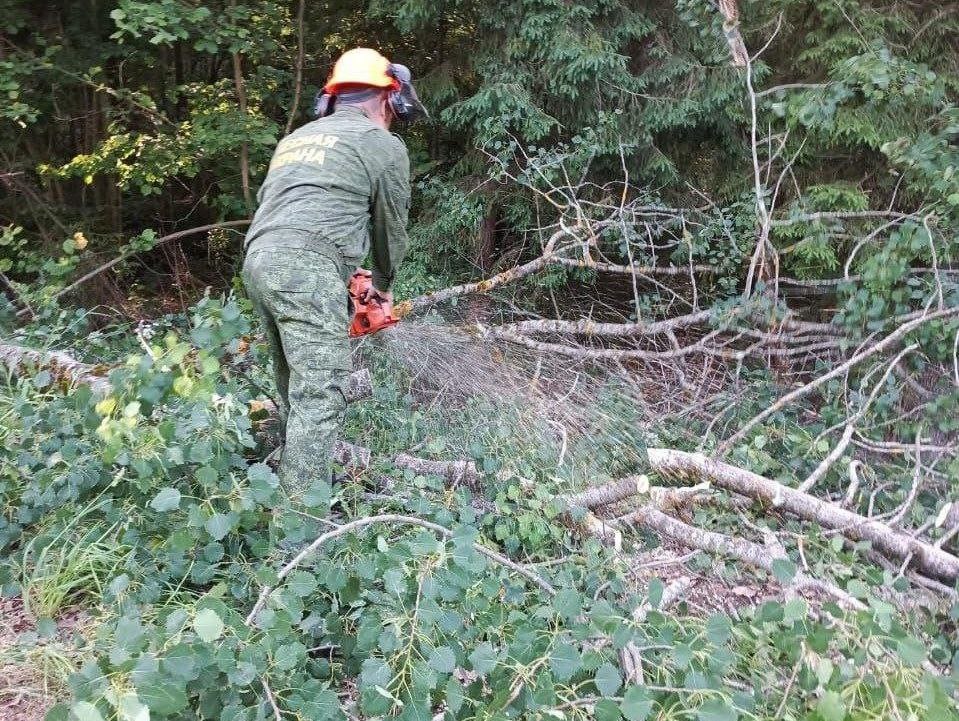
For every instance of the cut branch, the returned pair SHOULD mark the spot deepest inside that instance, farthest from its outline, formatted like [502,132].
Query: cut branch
[604,495]
[929,560]
[455,472]
[590,328]
[738,548]
[428,300]
[549,257]
[609,532]
[63,367]
[356,457]
[851,422]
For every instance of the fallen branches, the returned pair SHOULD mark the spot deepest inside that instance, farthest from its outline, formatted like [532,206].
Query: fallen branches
[613,492]
[630,656]
[890,542]
[393,519]
[351,456]
[356,457]
[836,371]
[609,531]
[482,286]
[591,328]
[549,257]
[63,367]
[721,544]
[851,422]
[67,369]
[455,472]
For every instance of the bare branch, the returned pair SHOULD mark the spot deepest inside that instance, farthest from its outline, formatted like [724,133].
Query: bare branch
[851,422]
[836,371]
[888,541]
[721,544]
[160,241]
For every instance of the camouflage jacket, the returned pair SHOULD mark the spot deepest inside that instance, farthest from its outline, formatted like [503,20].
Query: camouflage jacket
[339,186]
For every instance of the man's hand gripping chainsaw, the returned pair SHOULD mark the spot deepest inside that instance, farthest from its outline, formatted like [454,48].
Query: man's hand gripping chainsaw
[371,312]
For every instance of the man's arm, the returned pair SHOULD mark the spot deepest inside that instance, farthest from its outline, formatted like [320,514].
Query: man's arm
[391,204]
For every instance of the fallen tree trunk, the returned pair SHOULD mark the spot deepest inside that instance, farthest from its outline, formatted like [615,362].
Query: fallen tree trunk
[356,457]
[64,368]
[455,472]
[604,495]
[608,530]
[68,370]
[926,558]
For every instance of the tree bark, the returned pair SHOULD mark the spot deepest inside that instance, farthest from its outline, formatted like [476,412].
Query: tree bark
[60,365]
[298,79]
[892,543]
[604,495]
[746,551]
[63,366]
[244,146]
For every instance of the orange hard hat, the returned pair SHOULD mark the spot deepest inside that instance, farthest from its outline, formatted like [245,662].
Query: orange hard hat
[360,66]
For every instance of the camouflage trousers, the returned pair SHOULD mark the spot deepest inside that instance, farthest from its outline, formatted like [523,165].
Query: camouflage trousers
[301,299]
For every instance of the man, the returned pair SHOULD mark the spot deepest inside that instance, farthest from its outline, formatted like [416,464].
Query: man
[337,188]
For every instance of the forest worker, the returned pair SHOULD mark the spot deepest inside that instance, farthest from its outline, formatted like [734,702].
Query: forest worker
[337,189]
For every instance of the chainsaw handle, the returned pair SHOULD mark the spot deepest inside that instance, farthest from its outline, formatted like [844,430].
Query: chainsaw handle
[372,309]
[372,295]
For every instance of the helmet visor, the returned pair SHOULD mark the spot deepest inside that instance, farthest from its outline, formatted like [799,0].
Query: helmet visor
[408,108]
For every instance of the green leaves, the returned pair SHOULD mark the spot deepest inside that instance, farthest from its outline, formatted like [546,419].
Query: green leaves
[288,655]
[607,679]
[219,524]
[911,651]
[208,625]
[716,709]
[636,704]
[483,658]
[130,708]
[167,499]
[564,661]
[784,570]
[718,628]
[831,707]
[442,659]
[161,694]
[86,711]
[568,603]
[302,583]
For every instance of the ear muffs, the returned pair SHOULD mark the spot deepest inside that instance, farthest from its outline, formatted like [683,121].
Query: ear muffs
[324,105]
[403,100]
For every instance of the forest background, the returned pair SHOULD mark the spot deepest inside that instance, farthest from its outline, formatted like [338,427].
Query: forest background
[705,227]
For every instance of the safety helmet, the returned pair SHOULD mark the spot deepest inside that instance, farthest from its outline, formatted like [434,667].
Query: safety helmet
[360,66]
[363,68]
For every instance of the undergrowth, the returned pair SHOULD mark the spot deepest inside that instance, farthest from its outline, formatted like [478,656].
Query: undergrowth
[151,509]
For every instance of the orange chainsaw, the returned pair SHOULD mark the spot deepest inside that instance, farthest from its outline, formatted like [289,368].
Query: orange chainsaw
[375,313]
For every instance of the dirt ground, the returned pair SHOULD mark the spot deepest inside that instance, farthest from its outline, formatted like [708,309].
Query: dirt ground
[26,692]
